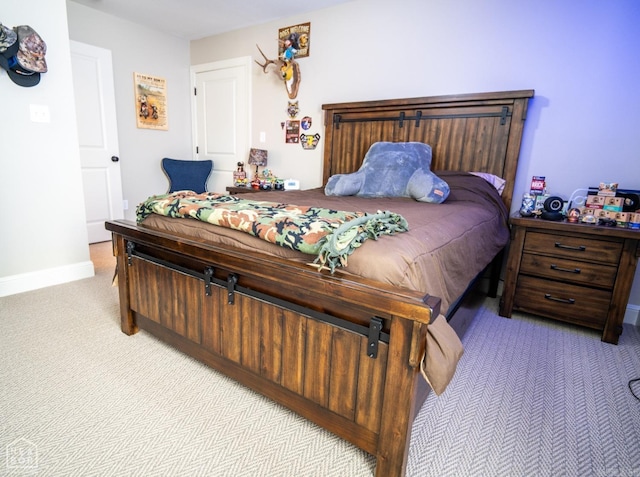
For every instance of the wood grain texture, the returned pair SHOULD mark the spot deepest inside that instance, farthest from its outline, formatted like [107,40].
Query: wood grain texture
[276,337]
[577,273]
[475,132]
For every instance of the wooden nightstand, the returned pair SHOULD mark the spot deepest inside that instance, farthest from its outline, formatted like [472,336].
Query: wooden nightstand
[571,272]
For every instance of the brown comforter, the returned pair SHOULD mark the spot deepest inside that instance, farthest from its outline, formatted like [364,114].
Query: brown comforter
[446,246]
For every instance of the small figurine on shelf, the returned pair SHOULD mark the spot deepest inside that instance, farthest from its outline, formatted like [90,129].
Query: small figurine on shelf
[573,215]
[528,205]
[266,179]
[239,176]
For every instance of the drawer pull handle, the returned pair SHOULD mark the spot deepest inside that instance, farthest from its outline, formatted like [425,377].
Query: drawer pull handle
[580,248]
[568,270]
[568,301]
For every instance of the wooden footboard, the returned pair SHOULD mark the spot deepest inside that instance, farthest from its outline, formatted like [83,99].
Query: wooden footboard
[342,352]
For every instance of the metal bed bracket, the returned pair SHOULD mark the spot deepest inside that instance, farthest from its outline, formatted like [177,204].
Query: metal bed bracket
[232,280]
[418,117]
[130,249]
[208,275]
[503,117]
[375,327]
[374,331]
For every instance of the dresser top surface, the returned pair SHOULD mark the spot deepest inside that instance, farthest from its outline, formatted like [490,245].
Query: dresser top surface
[572,227]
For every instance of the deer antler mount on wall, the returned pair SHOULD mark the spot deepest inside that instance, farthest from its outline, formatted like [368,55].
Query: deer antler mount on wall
[287,69]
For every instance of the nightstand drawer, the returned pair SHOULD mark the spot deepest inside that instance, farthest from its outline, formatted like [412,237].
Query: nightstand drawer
[573,247]
[587,273]
[562,301]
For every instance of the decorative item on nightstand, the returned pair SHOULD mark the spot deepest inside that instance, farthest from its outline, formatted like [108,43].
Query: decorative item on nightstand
[528,205]
[257,157]
[240,176]
[552,208]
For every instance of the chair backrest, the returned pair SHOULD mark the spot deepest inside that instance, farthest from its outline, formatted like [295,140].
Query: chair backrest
[187,175]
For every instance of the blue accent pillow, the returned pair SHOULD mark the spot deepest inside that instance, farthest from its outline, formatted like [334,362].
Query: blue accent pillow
[187,174]
[393,169]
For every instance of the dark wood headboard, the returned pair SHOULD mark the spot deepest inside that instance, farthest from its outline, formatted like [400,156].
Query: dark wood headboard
[467,132]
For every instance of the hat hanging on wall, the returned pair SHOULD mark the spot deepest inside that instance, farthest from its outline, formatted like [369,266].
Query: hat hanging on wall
[22,54]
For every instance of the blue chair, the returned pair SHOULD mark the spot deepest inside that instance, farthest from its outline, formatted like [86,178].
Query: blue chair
[187,175]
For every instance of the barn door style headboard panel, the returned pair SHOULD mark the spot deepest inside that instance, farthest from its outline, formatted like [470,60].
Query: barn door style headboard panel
[469,132]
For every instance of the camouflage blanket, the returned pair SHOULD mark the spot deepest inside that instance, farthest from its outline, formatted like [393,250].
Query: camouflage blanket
[330,235]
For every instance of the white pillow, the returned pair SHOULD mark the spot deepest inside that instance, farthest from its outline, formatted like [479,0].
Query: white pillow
[495,181]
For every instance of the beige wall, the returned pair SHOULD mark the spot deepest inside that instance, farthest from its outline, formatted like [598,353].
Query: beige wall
[582,62]
[582,126]
[43,237]
[139,49]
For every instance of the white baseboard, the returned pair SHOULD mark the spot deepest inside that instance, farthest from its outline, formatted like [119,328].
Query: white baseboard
[632,315]
[45,278]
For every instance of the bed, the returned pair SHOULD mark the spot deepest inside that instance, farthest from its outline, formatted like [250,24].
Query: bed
[346,349]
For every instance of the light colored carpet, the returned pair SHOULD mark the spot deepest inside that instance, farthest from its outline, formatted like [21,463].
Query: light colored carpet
[532,397]
[78,397]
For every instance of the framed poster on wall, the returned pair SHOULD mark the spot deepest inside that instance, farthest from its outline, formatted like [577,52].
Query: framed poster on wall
[292,131]
[294,41]
[151,102]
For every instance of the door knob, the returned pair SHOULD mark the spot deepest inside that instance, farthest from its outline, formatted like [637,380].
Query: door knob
[115,158]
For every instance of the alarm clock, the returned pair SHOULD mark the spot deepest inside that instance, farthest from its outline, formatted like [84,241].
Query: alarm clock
[291,184]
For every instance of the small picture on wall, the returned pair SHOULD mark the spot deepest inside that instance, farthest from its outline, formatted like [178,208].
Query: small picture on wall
[294,41]
[309,141]
[292,131]
[151,102]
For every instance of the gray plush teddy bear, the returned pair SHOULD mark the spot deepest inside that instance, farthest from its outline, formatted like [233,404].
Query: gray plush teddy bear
[393,169]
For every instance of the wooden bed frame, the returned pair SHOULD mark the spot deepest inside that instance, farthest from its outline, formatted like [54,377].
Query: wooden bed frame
[344,352]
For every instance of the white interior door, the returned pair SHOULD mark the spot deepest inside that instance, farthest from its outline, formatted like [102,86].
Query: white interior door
[98,137]
[221,106]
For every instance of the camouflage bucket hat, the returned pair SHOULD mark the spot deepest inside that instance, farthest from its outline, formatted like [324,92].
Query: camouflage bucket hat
[32,49]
